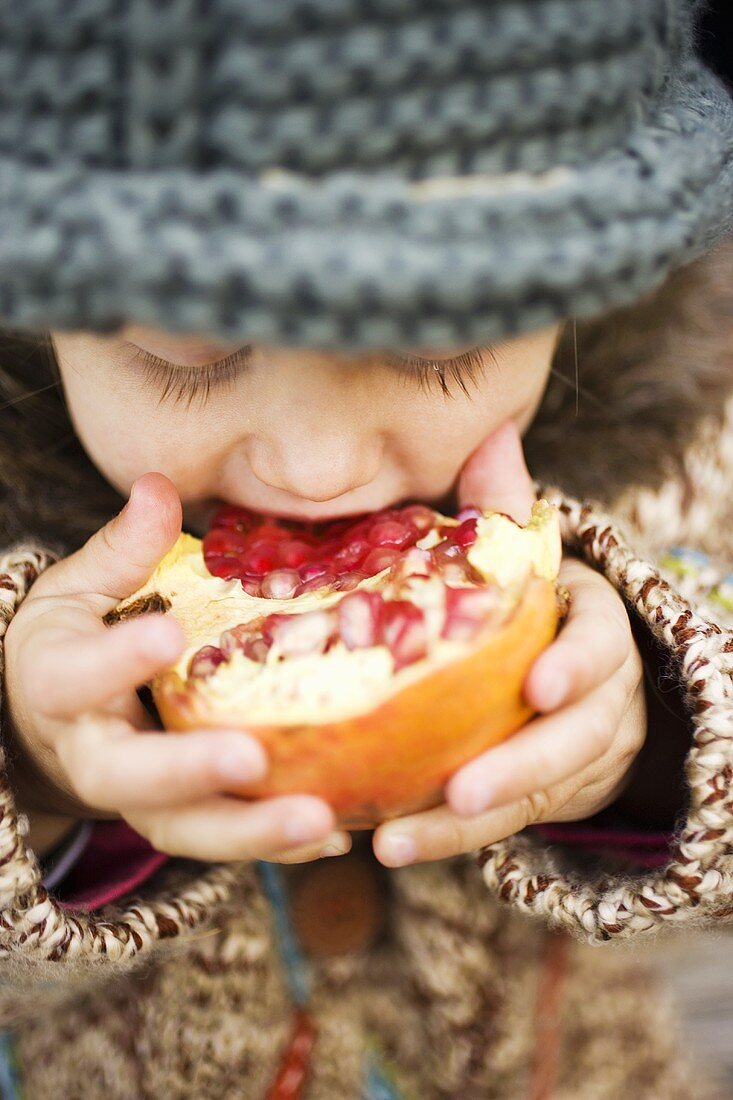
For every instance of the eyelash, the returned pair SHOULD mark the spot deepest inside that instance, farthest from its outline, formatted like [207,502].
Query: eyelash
[180,383]
[464,369]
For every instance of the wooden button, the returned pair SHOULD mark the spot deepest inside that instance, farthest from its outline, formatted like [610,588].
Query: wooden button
[339,905]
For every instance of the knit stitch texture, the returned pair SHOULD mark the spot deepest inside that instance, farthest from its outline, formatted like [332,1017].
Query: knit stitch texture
[323,172]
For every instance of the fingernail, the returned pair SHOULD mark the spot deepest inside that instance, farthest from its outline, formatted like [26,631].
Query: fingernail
[339,844]
[241,762]
[398,849]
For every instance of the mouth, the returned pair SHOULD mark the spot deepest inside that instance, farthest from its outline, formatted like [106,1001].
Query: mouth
[315,520]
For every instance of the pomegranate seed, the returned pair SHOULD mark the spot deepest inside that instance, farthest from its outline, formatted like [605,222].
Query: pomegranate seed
[225,567]
[203,663]
[251,585]
[420,516]
[312,570]
[269,532]
[446,551]
[280,584]
[231,516]
[404,631]
[393,533]
[469,512]
[382,557]
[298,635]
[315,584]
[360,617]
[235,638]
[256,649]
[346,581]
[224,540]
[293,553]
[352,554]
[468,609]
[465,534]
[260,559]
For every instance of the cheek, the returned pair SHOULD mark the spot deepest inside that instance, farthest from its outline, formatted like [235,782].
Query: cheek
[126,438]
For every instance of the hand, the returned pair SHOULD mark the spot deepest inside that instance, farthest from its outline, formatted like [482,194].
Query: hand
[84,740]
[587,687]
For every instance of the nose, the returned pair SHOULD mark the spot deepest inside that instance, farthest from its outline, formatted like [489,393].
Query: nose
[318,467]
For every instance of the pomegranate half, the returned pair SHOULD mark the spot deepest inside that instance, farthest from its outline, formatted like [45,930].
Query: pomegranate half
[372,656]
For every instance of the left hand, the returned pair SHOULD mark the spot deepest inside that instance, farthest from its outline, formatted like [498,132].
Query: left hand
[587,688]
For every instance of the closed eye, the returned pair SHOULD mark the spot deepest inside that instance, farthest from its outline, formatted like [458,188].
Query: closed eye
[465,369]
[179,382]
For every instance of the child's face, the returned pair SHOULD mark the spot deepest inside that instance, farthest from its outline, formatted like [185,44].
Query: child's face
[292,432]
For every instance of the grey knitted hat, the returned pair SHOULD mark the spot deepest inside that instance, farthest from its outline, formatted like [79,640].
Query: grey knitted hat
[352,172]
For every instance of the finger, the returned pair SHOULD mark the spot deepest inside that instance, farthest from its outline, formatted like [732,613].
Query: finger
[113,767]
[592,645]
[336,844]
[440,834]
[75,674]
[496,477]
[547,751]
[120,558]
[224,829]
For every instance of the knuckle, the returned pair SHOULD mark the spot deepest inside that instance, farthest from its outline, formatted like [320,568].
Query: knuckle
[534,807]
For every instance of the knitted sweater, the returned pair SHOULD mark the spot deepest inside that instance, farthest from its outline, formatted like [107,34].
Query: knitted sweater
[490,979]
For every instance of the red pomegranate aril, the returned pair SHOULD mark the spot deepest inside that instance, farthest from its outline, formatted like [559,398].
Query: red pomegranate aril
[469,512]
[224,540]
[235,638]
[465,534]
[227,568]
[446,551]
[255,648]
[393,533]
[345,582]
[280,584]
[315,584]
[382,557]
[259,560]
[299,635]
[352,554]
[467,610]
[404,632]
[420,516]
[206,661]
[251,585]
[360,617]
[270,532]
[311,570]
[231,516]
[293,553]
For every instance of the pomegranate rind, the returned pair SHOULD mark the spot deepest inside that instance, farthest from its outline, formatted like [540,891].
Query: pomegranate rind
[394,759]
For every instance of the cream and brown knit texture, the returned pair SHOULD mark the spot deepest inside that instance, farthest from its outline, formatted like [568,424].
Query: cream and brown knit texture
[178,992]
[697,885]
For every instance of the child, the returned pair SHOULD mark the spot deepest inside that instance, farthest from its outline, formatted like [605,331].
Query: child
[334,275]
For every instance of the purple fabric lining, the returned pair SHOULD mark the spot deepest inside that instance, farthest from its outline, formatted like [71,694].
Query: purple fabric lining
[645,849]
[115,861]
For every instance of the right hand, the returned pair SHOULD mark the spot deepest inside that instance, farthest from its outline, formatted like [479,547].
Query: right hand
[79,725]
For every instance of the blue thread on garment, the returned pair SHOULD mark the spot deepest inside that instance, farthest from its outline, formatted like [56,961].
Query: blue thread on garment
[9,1084]
[377,1085]
[292,956]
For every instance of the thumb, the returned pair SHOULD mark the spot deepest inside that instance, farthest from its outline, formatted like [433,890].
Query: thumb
[495,477]
[120,557]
